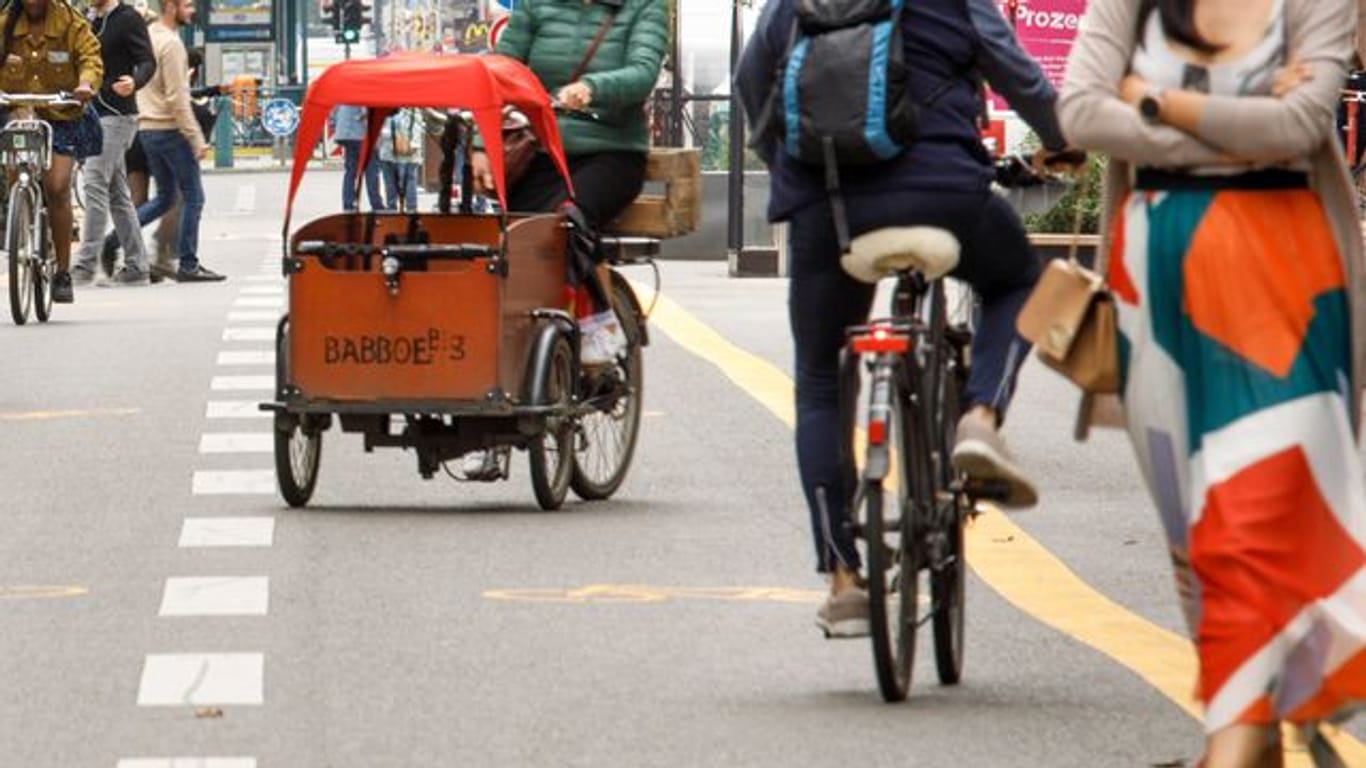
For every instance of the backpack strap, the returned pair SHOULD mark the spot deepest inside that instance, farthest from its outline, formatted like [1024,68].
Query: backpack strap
[832,189]
[764,129]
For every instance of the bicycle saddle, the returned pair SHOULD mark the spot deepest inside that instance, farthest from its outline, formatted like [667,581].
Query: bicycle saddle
[929,250]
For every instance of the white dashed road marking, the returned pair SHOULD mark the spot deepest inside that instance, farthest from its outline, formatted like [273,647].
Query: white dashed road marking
[196,679]
[253,315]
[234,482]
[265,278]
[259,301]
[187,763]
[227,532]
[263,289]
[263,333]
[246,199]
[235,409]
[236,442]
[216,596]
[247,357]
[230,383]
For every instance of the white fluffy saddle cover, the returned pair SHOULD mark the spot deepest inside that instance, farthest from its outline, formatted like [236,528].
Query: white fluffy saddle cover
[931,251]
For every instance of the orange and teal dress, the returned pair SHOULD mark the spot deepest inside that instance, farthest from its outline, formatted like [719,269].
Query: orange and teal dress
[1235,356]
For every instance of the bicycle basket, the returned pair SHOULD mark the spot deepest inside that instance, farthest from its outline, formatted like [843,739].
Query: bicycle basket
[26,142]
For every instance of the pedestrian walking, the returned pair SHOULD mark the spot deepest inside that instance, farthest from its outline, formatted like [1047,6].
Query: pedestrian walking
[172,140]
[126,50]
[348,131]
[400,157]
[1235,259]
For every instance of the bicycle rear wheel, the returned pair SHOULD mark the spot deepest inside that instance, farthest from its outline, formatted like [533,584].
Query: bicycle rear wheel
[606,439]
[884,513]
[18,242]
[552,459]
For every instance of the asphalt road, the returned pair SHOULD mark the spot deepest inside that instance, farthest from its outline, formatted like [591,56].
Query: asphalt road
[402,622]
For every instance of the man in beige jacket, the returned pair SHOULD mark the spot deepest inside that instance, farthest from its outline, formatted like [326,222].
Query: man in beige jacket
[171,137]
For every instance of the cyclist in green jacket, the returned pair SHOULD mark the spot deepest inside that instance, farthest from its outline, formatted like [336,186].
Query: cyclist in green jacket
[600,59]
[605,131]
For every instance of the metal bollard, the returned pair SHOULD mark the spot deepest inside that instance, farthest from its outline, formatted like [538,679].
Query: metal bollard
[222,134]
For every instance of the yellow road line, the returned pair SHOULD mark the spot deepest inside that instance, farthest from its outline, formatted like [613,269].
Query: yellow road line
[1007,558]
[40,592]
[643,593]
[68,414]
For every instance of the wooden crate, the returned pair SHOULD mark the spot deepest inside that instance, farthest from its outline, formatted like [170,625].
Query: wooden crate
[675,213]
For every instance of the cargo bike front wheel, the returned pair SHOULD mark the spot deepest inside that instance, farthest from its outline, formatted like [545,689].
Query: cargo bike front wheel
[298,437]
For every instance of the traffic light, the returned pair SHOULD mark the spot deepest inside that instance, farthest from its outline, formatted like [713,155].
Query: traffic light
[354,15]
[332,12]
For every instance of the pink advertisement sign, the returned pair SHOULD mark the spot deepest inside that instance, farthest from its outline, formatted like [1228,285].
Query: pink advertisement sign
[1047,29]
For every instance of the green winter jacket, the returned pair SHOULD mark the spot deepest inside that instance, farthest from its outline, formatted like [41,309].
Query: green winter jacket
[552,36]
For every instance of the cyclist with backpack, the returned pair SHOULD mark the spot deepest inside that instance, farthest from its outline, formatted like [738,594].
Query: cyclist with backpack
[866,113]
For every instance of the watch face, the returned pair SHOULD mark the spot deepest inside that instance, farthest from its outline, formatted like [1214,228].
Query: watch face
[1149,107]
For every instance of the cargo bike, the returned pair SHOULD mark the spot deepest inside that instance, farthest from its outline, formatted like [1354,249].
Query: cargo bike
[448,332]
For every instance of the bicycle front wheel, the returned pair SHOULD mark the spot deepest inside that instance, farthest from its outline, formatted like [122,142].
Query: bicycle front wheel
[948,566]
[44,269]
[19,243]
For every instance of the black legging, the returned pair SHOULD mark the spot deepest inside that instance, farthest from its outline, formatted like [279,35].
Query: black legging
[822,301]
[604,184]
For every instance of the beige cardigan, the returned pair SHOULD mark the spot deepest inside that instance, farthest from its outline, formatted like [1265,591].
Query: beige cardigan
[1299,125]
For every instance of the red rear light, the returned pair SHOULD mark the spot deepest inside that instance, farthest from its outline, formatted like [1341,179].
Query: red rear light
[877,432]
[881,340]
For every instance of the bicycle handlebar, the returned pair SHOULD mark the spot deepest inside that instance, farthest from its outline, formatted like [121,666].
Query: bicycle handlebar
[58,99]
[1018,172]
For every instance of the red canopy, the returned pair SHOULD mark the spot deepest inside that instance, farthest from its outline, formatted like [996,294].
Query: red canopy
[479,84]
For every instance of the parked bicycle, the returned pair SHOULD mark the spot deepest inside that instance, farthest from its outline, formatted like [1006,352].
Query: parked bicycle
[26,155]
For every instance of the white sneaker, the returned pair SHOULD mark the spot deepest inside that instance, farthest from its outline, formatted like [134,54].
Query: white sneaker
[482,466]
[601,339]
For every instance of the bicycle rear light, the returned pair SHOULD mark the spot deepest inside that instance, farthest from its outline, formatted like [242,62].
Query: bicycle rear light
[881,339]
[877,431]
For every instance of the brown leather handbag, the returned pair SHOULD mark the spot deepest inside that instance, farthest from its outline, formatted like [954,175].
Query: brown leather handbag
[520,144]
[1072,320]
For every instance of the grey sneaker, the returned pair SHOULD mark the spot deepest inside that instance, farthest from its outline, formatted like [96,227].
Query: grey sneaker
[82,275]
[129,276]
[980,453]
[844,615]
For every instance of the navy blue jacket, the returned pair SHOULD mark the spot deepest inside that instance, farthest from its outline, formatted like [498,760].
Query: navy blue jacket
[949,44]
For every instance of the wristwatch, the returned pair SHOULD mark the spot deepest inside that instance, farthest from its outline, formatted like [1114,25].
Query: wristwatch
[1150,106]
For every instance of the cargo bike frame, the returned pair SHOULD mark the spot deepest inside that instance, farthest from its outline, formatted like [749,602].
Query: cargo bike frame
[446,333]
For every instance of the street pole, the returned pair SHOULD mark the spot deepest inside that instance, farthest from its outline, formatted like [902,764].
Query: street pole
[676,106]
[735,234]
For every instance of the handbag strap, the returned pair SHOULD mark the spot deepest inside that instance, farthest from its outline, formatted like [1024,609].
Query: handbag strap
[1083,193]
[595,45]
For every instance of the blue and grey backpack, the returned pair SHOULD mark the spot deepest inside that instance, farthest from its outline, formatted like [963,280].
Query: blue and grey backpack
[841,95]
[845,97]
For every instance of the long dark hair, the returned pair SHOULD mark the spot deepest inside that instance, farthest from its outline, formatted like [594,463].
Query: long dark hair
[1178,23]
